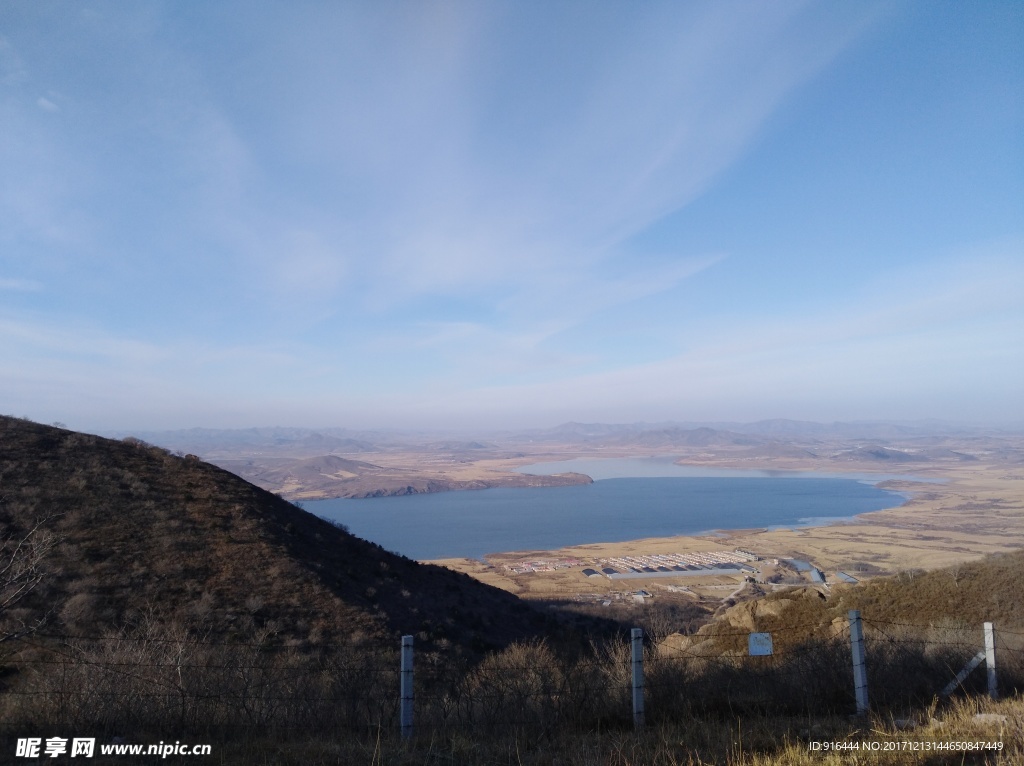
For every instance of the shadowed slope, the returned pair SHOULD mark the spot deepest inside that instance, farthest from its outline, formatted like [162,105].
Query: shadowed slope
[146,535]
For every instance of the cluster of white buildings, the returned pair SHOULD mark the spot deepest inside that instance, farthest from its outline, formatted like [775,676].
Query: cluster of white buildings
[542,565]
[710,559]
[655,563]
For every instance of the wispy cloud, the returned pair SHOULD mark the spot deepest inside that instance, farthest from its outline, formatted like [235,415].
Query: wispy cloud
[12,66]
[954,331]
[458,189]
[417,165]
[20,285]
[863,351]
[444,207]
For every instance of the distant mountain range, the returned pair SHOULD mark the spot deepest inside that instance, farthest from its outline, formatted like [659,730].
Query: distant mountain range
[781,429]
[773,434]
[210,441]
[303,463]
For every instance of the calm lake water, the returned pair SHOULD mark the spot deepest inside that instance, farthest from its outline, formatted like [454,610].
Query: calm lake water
[474,523]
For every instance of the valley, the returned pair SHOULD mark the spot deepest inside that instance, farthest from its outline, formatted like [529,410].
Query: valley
[964,489]
[197,606]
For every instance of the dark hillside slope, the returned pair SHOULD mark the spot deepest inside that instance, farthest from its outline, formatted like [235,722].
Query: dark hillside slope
[143,535]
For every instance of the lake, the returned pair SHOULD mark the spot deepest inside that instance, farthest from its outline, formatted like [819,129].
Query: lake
[474,523]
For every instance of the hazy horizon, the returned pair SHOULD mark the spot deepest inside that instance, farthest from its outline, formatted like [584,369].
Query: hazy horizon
[503,215]
[925,426]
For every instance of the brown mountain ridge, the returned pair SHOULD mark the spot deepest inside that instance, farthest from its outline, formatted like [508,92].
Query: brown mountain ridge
[141,534]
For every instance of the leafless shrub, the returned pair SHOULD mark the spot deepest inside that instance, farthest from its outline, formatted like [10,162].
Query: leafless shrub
[22,569]
[166,679]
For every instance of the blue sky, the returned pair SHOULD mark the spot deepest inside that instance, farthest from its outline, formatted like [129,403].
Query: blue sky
[499,214]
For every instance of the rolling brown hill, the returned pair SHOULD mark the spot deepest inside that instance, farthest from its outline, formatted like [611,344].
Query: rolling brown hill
[143,535]
[953,599]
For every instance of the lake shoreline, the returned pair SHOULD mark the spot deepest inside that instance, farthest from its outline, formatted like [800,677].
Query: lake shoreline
[611,511]
[975,512]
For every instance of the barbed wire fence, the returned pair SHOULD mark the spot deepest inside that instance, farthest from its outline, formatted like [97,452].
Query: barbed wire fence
[209,684]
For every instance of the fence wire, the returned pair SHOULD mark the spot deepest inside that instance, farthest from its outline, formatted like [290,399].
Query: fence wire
[207,683]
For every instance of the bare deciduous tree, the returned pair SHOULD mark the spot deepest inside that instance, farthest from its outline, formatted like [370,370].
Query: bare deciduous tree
[21,570]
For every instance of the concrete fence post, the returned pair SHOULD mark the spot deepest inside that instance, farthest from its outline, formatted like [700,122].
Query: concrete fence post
[638,677]
[860,673]
[406,698]
[990,660]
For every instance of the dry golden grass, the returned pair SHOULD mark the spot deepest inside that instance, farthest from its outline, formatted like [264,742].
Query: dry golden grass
[751,741]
